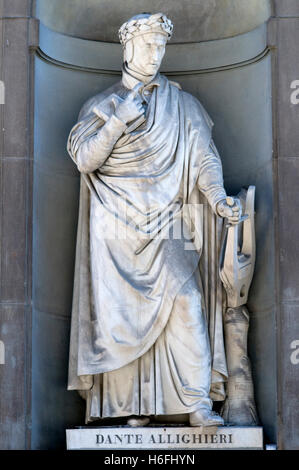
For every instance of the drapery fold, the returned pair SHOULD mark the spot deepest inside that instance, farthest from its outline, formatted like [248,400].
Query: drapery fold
[128,269]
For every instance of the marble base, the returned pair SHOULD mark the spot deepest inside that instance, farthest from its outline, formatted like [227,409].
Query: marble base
[170,437]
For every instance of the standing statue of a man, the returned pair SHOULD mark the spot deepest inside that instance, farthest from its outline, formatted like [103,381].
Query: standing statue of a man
[140,342]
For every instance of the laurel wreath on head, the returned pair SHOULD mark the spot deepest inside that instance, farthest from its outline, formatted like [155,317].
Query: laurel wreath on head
[136,27]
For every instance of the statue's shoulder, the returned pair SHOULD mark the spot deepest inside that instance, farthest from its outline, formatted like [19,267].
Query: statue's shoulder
[194,108]
[97,99]
[190,99]
[186,97]
[191,104]
[162,78]
[175,84]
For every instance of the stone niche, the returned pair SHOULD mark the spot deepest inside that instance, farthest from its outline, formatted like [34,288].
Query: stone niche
[194,20]
[218,53]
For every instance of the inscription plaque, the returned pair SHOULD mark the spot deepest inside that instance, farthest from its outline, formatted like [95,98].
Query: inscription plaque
[125,437]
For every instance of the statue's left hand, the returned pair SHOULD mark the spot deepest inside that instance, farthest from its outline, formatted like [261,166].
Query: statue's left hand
[232,212]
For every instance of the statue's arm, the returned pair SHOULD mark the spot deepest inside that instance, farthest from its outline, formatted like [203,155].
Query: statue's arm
[94,150]
[210,179]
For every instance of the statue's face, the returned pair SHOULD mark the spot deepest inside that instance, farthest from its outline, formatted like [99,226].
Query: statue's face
[147,53]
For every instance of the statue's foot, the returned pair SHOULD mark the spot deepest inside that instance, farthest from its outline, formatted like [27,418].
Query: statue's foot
[137,422]
[205,417]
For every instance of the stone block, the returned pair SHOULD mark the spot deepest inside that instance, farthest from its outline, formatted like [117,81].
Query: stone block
[289,376]
[287,8]
[288,229]
[288,87]
[13,376]
[191,438]
[14,229]
[15,75]
[15,7]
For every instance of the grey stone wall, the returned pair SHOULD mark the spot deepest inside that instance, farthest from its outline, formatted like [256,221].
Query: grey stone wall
[285,37]
[15,223]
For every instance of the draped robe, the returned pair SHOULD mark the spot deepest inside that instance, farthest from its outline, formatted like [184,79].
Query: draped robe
[130,269]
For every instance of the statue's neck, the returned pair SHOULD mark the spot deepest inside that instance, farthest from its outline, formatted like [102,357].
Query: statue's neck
[130,77]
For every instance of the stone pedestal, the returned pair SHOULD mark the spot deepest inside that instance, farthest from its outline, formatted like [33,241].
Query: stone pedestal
[170,437]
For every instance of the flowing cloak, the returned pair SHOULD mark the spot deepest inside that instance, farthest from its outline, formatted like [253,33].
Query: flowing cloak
[128,269]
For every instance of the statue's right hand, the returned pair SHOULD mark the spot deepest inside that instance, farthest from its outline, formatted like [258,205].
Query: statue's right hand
[131,108]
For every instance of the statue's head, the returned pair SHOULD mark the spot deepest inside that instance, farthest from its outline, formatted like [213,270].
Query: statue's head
[144,38]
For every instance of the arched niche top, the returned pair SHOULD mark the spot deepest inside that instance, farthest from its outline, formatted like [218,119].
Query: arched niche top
[194,20]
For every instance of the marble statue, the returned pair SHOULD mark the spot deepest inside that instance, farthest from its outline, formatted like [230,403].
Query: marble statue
[236,271]
[147,333]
